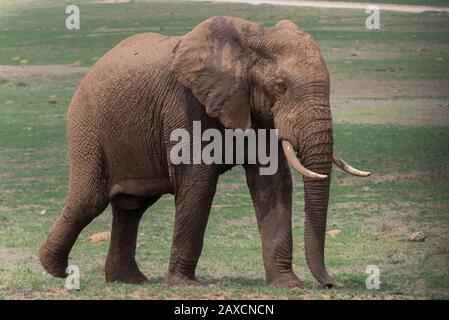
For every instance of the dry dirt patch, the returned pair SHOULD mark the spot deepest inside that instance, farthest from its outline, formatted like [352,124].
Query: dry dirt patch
[398,111]
[397,177]
[113,1]
[13,257]
[39,70]
[438,261]
[420,102]
[384,89]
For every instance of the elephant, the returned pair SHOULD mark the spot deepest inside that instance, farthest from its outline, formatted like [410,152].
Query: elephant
[228,73]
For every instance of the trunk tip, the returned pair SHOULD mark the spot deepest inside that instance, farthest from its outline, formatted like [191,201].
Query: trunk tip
[329,284]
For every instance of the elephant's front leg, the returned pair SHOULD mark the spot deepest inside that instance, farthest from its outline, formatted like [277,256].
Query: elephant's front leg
[272,199]
[194,195]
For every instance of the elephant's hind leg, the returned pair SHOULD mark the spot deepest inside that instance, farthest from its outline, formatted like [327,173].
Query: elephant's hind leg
[54,252]
[121,265]
[87,199]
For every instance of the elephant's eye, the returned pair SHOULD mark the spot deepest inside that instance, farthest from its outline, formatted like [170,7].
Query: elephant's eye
[279,86]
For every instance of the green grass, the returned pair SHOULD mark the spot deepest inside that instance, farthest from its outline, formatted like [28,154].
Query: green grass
[408,191]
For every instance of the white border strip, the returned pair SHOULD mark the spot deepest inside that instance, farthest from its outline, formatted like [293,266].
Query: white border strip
[340,5]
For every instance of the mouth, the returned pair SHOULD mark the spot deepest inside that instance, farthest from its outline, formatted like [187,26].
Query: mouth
[290,154]
[292,158]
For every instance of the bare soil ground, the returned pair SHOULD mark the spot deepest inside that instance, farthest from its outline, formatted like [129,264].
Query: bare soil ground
[39,70]
[406,177]
[13,257]
[383,89]
[404,111]
[409,102]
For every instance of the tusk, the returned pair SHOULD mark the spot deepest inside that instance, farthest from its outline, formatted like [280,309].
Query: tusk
[347,168]
[294,161]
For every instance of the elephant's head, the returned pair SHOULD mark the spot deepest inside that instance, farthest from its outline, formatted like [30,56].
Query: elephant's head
[242,72]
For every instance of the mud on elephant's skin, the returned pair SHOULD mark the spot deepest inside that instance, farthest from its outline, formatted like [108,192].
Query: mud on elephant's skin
[226,73]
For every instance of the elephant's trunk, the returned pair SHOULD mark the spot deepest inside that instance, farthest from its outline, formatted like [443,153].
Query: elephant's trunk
[317,157]
[316,149]
[316,200]
[312,137]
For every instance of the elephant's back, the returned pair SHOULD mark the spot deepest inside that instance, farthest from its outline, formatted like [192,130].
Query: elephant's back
[140,49]
[124,77]
[119,102]
[137,59]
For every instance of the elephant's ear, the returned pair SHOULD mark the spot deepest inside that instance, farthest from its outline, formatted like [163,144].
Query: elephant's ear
[287,24]
[210,61]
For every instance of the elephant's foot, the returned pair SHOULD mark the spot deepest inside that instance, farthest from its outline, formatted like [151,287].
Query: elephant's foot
[285,280]
[125,274]
[177,279]
[53,263]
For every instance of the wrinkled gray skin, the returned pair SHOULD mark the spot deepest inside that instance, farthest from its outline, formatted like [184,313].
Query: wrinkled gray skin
[226,72]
